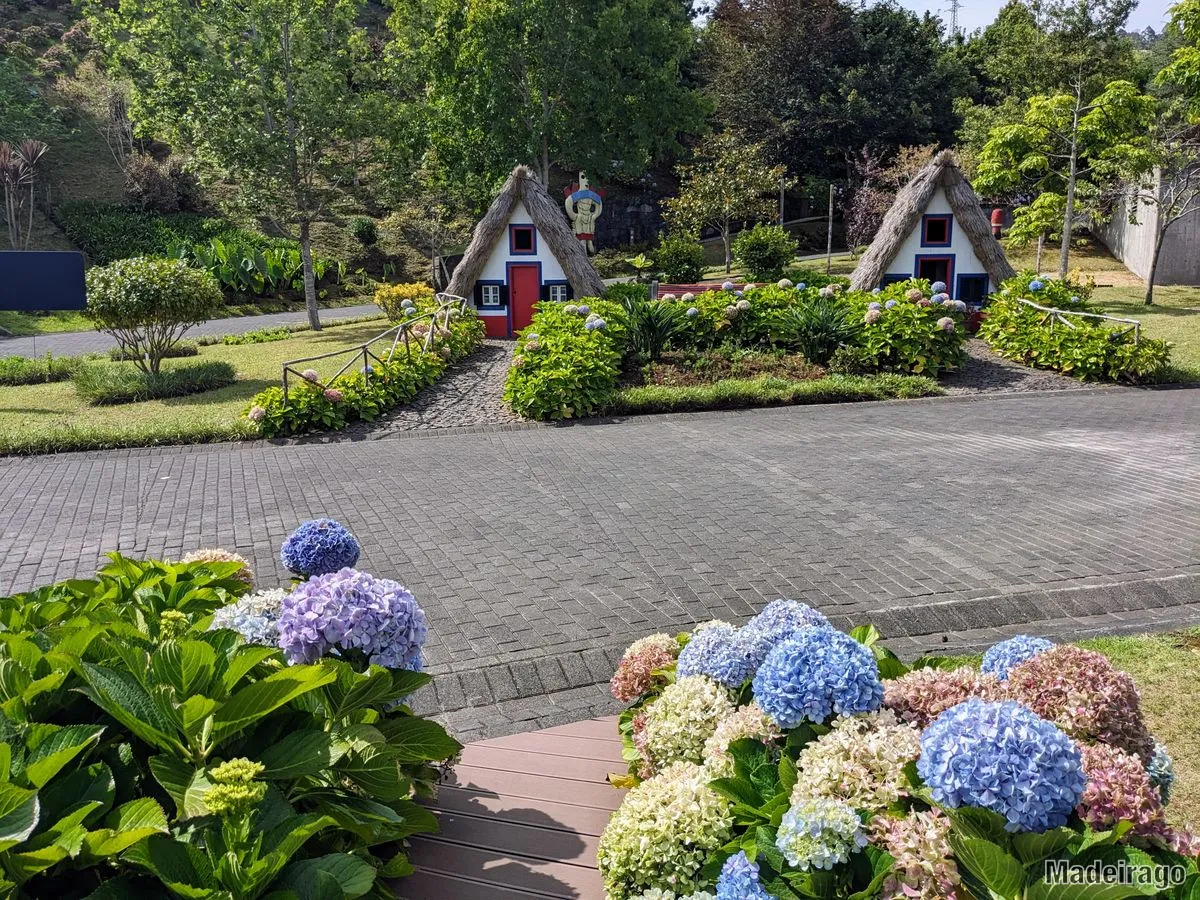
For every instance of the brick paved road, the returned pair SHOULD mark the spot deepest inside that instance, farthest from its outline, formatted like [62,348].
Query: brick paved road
[72,343]
[539,552]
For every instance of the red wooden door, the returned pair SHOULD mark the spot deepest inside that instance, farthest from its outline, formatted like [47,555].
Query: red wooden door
[523,287]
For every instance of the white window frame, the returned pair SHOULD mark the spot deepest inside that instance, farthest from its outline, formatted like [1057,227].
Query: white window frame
[559,293]
[487,292]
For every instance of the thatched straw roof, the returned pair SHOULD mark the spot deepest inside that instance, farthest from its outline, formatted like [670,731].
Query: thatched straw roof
[522,186]
[905,216]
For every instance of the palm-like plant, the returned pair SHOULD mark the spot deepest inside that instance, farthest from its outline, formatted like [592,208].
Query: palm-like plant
[816,327]
[18,171]
[653,325]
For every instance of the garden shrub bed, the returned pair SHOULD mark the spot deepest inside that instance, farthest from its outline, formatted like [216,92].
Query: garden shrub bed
[574,357]
[739,393]
[785,759]
[1087,349]
[365,394]
[108,384]
[167,732]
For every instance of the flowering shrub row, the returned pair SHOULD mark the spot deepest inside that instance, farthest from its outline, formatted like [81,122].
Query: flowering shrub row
[787,759]
[367,394]
[1088,349]
[167,733]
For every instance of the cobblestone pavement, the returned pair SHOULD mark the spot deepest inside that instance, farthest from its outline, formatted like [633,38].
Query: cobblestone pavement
[72,343]
[471,393]
[540,552]
[987,373]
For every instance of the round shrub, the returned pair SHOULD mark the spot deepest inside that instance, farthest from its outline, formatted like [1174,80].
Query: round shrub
[1004,758]
[397,299]
[1001,657]
[764,252]
[364,230]
[662,834]
[318,547]
[352,612]
[680,259]
[147,304]
[815,674]
[1081,692]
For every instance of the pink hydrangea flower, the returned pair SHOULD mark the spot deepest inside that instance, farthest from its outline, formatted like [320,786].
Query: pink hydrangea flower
[445,352]
[518,361]
[914,294]
[532,346]
[946,324]
[635,672]
[256,414]
[924,866]
[333,395]
[1118,788]
[923,694]
[1083,694]
[924,301]
[872,316]
[310,375]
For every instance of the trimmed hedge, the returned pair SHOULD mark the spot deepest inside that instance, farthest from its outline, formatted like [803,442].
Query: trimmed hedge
[1088,349]
[109,385]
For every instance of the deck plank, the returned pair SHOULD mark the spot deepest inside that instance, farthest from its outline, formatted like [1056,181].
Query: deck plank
[521,817]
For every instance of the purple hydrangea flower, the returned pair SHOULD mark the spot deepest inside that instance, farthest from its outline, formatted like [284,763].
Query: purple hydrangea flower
[1003,656]
[874,305]
[814,674]
[319,546]
[584,310]
[940,297]
[727,286]
[1002,757]
[718,653]
[351,610]
[739,880]
[938,287]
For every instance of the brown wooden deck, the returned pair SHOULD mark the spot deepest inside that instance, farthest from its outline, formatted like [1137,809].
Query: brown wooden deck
[521,817]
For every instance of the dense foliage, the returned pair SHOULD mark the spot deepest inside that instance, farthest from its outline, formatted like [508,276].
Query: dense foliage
[148,755]
[785,759]
[764,252]
[397,299]
[1088,349]
[679,258]
[15,370]
[392,376]
[147,304]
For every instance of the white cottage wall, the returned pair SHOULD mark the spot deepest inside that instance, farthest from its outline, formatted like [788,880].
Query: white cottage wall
[965,260]
[496,267]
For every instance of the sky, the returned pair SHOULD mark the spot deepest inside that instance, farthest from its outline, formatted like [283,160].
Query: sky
[974,14]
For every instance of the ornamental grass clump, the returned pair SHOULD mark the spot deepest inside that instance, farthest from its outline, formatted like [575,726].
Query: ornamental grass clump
[353,615]
[678,723]
[1086,696]
[1002,757]
[662,834]
[815,674]
[318,547]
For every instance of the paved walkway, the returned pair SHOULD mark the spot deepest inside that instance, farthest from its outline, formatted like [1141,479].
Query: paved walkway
[540,552]
[73,343]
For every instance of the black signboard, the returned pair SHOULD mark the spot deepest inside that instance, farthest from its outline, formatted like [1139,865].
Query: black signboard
[34,280]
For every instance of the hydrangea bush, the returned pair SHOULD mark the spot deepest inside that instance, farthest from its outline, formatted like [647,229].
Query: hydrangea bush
[813,763]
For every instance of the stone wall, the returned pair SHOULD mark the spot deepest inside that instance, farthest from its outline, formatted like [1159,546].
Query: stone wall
[1179,261]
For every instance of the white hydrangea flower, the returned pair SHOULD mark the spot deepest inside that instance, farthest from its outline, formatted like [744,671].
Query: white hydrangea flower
[682,719]
[747,722]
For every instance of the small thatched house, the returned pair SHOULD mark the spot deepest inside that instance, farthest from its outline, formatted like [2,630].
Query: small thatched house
[936,230]
[522,252]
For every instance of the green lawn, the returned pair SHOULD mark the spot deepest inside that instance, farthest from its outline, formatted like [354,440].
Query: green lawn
[1166,668]
[50,417]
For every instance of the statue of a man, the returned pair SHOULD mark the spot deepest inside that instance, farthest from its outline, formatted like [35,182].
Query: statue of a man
[584,206]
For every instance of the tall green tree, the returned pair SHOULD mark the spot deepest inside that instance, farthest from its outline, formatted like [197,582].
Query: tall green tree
[1182,73]
[584,84]
[730,182]
[278,96]
[1071,147]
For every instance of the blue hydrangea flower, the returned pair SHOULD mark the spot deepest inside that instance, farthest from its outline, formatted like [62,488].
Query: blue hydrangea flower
[877,291]
[781,618]
[938,287]
[814,674]
[874,305]
[1002,757]
[1075,298]
[1002,657]
[727,286]
[692,312]
[940,297]
[819,834]
[319,546]
[1161,771]
[1036,285]
[717,653]
[532,336]
[584,310]
[801,286]
[255,617]
[889,304]
[350,610]
[739,880]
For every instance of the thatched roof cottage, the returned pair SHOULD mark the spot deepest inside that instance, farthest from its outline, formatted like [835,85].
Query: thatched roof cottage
[936,230]
[522,252]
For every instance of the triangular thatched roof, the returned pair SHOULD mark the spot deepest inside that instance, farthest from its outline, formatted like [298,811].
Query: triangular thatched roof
[522,186]
[905,215]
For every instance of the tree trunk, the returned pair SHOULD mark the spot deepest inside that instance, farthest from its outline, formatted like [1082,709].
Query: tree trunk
[1041,244]
[1069,215]
[545,173]
[29,231]
[1154,267]
[728,250]
[310,281]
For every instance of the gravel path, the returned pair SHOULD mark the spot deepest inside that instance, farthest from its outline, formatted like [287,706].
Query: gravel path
[72,343]
[988,373]
[471,393]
